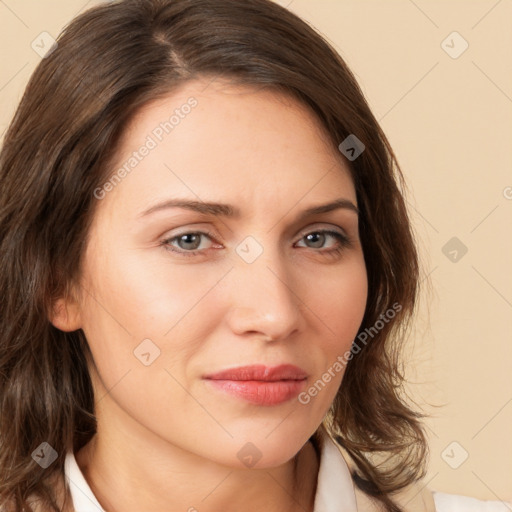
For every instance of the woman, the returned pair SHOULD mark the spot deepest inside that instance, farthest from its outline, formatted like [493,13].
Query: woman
[257,369]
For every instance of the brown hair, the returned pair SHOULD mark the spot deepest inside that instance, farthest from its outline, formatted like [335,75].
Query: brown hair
[109,62]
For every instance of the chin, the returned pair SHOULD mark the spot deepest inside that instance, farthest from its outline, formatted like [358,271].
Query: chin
[261,448]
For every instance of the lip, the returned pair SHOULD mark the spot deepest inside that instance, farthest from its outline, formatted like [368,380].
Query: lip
[260,384]
[261,372]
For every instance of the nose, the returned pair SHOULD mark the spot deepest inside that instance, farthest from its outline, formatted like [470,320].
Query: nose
[264,298]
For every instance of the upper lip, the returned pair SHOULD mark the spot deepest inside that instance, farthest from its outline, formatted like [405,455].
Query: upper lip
[261,372]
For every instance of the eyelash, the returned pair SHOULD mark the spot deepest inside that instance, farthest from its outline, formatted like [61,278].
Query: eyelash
[343,241]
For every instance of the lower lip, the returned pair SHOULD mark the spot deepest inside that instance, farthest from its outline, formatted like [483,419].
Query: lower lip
[261,392]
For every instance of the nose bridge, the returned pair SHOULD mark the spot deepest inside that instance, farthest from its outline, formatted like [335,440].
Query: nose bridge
[263,298]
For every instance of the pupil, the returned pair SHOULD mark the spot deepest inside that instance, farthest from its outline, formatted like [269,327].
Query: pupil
[186,239]
[311,236]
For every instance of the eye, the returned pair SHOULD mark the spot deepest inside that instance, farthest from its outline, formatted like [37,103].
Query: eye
[188,243]
[319,237]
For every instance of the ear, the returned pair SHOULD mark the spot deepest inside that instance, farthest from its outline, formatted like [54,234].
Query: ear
[65,314]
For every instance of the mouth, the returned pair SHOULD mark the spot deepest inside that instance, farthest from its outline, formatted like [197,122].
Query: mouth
[260,384]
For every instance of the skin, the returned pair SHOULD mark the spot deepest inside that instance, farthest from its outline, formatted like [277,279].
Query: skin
[167,440]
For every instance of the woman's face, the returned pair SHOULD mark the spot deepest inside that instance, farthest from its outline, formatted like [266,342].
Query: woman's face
[171,294]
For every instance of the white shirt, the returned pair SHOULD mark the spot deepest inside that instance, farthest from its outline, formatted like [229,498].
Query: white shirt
[334,492]
[456,503]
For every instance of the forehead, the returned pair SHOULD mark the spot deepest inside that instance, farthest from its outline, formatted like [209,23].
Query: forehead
[214,108]
[216,138]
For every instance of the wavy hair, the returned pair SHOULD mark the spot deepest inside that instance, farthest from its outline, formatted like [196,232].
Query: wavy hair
[108,63]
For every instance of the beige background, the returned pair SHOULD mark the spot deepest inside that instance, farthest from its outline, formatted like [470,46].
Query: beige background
[450,123]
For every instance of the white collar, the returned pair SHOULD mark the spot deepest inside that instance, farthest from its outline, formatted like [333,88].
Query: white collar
[81,494]
[334,492]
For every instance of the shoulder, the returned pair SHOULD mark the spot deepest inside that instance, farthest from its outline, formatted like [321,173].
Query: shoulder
[452,502]
[416,497]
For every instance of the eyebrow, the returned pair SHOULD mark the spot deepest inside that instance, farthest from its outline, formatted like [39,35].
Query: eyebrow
[227,210]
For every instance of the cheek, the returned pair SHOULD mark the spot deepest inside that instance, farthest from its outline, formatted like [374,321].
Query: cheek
[341,300]
[341,303]
[143,296]
[131,300]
